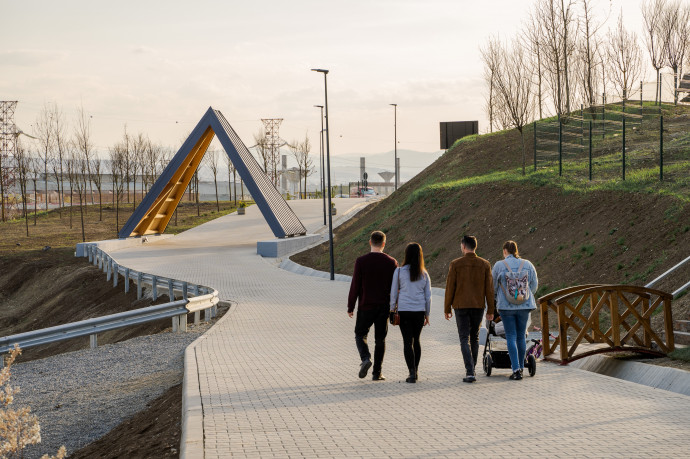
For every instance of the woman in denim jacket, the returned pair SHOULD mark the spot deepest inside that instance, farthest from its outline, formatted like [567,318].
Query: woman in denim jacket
[514,311]
[411,292]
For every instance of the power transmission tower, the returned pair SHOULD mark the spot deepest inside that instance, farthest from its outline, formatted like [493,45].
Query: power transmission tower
[8,142]
[273,144]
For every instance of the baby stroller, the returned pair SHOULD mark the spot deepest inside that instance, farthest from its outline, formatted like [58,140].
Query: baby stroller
[494,358]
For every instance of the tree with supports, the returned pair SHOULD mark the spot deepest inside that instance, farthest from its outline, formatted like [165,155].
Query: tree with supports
[625,58]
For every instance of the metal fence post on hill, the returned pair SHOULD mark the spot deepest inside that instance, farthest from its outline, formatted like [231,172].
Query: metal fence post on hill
[661,148]
[623,147]
[590,150]
[560,147]
[535,146]
[603,115]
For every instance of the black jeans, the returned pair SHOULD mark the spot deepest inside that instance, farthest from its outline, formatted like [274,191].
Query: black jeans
[469,321]
[411,324]
[378,317]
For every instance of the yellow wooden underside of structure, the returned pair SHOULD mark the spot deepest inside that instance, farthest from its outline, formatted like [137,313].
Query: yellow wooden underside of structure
[161,211]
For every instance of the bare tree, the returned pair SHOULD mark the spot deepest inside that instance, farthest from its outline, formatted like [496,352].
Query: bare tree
[96,176]
[625,58]
[232,172]
[589,54]
[654,37]
[676,22]
[61,139]
[514,89]
[263,149]
[212,162]
[117,171]
[80,176]
[301,152]
[84,145]
[136,152]
[45,133]
[35,172]
[534,39]
[126,145]
[22,163]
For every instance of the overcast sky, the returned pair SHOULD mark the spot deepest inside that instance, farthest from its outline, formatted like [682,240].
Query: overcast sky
[158,65]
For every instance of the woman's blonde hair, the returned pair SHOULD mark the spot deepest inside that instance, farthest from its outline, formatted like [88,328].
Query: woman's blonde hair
[511,248]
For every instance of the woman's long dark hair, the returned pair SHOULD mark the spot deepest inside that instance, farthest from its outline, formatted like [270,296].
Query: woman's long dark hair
[414,258]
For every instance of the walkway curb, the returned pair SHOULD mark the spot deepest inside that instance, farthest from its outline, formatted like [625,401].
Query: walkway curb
[656,376]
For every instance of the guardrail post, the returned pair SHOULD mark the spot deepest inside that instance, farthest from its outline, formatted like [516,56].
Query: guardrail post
[154,287]
[116,272]
[214,311]
[197,317]
[95,256]
[93,341]
[126,280]
[89,252]
[140,280]
[109,270]
[171,291]
[185,287]
[175,323]
[183,323]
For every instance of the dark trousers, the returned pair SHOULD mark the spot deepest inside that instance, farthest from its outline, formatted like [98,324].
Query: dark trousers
[411,324]
[378,317]
[469,321]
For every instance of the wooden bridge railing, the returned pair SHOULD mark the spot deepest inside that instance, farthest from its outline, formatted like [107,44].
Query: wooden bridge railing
[608,317]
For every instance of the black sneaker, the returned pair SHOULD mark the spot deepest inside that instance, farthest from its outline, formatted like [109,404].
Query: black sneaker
[364,368]
[469,379]
[516,376]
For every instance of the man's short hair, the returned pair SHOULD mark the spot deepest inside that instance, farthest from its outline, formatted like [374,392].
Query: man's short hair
[470,242]
[378,238]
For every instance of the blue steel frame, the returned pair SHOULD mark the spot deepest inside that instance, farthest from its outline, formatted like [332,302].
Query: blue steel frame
[278,214]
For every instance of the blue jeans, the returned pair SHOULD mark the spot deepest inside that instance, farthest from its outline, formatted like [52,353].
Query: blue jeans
[515,323]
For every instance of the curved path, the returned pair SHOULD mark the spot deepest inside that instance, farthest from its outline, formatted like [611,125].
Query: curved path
[277,375]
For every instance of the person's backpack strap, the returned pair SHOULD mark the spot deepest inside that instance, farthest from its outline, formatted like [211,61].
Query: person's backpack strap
[508,266]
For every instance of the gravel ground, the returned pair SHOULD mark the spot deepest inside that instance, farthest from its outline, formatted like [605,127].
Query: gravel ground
[80,396]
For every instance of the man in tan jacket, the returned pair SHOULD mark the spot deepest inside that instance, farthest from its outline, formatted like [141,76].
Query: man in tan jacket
[469,288]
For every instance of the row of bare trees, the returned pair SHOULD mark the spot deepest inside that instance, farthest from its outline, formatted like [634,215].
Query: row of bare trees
[562,59]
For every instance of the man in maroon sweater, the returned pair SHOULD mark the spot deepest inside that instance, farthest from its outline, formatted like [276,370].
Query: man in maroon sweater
[371,284]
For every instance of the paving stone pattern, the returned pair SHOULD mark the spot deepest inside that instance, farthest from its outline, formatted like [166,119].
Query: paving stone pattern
[278,374]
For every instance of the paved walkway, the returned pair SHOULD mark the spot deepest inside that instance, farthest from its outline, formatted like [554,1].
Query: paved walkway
[278,374]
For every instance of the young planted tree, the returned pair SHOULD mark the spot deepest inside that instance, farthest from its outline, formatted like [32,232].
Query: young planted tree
[676,22]
[212,162]
[61,140]
[514,89]
[232,172]
[263,149]
[35,172]
[625,59]
[301,152]
[117,171]
[84,145]
[96,176]
[22,162]
[534,39]
[589,52]
[46,139]
[655,38]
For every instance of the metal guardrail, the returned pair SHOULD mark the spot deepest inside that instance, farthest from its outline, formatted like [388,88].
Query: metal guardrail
[669,271]
[194,299]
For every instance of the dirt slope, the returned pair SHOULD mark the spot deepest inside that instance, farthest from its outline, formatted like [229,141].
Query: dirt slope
[43,289]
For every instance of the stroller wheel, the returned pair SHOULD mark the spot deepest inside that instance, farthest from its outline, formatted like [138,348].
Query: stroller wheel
[531,365]
[488,362]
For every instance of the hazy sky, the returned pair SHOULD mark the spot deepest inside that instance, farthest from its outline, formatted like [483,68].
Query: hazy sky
[158,65]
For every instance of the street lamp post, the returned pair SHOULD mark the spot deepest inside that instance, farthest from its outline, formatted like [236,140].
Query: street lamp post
[395,140]
[328,170]
[323,175]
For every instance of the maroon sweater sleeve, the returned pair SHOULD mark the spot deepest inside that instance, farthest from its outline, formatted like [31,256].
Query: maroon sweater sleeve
[355,288]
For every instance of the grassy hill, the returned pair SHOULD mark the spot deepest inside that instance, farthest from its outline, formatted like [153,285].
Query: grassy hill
[575,231]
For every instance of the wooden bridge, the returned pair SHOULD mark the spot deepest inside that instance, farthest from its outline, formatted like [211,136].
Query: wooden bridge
[608,318]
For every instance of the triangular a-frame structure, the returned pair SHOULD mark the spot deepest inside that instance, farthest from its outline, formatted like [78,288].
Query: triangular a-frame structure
[157,207]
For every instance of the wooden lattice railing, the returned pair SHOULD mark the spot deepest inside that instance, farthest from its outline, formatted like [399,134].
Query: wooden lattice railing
[608,318]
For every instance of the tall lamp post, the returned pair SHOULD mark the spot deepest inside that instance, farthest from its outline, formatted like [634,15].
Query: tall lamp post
[328,170]
[395,140]
[323,175]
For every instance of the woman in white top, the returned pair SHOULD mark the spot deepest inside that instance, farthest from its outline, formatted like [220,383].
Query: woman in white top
[411,292]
